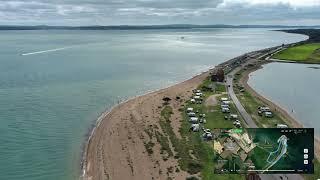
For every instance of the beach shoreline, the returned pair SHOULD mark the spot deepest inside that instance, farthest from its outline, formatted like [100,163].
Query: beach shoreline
[103,118]
[123,124]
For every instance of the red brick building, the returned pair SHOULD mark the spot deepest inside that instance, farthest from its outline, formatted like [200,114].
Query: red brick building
[217,75]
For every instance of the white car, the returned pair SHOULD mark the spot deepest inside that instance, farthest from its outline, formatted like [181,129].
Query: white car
[196,97]
[207,136]
[193,120]
[189,110]
[225,106]
[282,126]
[224,99]
[195,127]
[191,114]
[268,114]
[225,110]
[233,116]
[226,102]
[236,122]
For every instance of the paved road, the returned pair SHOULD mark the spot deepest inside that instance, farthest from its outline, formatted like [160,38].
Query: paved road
[246,116]
[248,120]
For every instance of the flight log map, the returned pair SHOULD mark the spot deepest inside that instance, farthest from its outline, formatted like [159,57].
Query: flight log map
[264,150]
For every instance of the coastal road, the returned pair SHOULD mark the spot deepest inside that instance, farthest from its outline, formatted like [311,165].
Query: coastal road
[250,123]
[229,82]
[246,116]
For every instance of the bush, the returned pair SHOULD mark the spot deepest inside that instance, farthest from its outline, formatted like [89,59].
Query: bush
[194,167]
[192,178]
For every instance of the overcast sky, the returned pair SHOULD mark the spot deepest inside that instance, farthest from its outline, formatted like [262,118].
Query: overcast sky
[146,12]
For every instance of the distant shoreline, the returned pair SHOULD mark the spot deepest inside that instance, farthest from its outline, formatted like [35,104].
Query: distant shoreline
[143,27]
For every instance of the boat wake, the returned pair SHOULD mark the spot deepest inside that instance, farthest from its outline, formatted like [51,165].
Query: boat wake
[44,51]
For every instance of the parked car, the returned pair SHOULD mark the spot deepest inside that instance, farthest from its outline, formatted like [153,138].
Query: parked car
[225,106]
[225,110]
[189,110]
[193,120]
[282,126]
[268,114]
[233,116]
[191,114]
[195,127]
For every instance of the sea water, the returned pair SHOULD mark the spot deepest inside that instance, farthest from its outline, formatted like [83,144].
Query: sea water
[55,83]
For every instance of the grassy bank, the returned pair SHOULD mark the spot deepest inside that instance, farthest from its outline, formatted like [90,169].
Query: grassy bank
[251,104]
[306,53]
[193,153]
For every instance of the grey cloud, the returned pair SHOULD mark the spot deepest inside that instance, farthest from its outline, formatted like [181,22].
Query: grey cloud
[110,12]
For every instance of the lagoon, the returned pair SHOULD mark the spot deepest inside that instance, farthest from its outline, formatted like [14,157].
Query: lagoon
[294,87]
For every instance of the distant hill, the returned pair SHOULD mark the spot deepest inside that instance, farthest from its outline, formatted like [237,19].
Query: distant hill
[133,27]
[314,34]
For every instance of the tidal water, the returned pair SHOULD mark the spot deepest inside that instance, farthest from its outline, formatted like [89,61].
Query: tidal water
[54,84]
[295,87]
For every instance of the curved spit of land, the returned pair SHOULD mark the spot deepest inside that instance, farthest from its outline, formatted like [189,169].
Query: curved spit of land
[282,147]
[253,58]
[116,149]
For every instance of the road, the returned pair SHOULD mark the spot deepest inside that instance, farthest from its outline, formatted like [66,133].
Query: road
[246,116]
[249,121]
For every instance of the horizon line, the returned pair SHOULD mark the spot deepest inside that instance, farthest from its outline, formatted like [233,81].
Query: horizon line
[140,25]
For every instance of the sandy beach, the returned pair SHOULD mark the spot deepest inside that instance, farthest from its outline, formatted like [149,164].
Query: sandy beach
[116,149]
[117,146]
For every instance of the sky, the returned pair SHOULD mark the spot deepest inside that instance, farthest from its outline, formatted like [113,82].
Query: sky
[152,12]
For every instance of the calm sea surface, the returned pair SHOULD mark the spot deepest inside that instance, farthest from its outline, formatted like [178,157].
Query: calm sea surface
[295,87]
[54,84]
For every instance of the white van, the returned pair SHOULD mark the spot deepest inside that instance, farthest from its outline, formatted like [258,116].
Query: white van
[193,120]
[233,116]
[189,110]
[282,126]
[224,99]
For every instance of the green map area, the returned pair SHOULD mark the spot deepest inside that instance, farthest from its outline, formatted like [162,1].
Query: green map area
[265,150]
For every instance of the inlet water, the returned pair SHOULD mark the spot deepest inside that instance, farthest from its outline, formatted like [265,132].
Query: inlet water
[295,87]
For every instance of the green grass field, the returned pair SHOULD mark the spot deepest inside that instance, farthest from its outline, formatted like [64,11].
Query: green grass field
[193,154]
[309,53]
[201,158]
